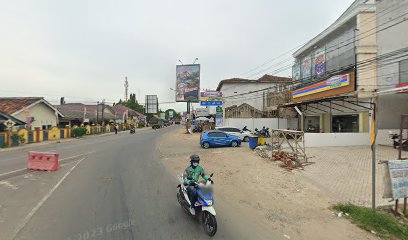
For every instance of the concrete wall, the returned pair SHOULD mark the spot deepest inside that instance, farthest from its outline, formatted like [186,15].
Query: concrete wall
[252,123]
[43,115]
[366,49]
[391,106]
[336,139]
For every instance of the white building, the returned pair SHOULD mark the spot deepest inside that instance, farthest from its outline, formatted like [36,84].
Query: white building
[248,98]
[392,69]
[34,111]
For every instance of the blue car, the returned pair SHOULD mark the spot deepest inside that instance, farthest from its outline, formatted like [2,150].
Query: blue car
[219,138]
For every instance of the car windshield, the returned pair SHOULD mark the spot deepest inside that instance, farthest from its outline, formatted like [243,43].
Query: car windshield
[113,112]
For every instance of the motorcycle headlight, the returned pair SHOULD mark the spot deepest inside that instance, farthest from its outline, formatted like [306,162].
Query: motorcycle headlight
[209,202]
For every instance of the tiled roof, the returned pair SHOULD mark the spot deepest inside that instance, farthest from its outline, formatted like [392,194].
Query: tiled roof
[120,109]
[10,105]
[4,117]
[73,111]
[264,79]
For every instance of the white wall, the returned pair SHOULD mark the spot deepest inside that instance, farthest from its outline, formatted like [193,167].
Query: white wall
[43,115]
[336,139]
[252,123]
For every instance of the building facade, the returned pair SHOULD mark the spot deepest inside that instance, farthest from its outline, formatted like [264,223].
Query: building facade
[244,98]
[392,69]
[36,112]
[335,74]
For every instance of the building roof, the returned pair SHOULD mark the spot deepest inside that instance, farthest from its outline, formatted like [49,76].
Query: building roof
[4,117]
[352,11]
[264,79]
[120,109]
[15,105]
[73,111]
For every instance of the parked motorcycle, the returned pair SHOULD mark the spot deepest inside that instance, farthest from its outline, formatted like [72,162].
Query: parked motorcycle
[203,207]
[395,137]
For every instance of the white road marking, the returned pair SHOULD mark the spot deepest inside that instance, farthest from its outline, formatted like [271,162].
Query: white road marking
[40,203]
[8,184]
[63,159]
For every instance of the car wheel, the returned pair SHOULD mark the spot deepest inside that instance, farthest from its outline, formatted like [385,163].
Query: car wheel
[234,144]
[206,145]
[246,139]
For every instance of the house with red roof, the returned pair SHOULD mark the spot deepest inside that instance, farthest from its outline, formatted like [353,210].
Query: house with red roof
[34,111]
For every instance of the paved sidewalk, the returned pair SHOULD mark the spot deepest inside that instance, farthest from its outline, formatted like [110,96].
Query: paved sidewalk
[344,173]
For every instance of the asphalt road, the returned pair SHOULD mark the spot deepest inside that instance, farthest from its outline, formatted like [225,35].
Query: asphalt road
[115,188]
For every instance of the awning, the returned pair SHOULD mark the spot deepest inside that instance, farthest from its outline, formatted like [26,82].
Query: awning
[335,104]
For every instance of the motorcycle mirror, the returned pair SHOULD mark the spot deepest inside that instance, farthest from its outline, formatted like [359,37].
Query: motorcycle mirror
[212,174]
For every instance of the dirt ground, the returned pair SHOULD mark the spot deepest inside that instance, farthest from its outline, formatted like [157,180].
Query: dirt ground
[261,190]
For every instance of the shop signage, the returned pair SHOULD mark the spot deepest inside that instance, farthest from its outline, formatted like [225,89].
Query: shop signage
[331,83]
[202,112]
[211,98]
[296,71]
[398,170]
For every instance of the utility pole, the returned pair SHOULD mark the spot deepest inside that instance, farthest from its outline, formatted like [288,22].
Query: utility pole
[126,89]
[97,113]
[103,106]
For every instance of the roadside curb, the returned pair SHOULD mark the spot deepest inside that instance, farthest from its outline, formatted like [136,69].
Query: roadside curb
[30,145]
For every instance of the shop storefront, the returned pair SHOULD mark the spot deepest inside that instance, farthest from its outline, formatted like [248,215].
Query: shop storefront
[331,106]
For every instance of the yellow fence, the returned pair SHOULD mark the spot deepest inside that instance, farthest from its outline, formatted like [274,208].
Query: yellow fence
[24,136]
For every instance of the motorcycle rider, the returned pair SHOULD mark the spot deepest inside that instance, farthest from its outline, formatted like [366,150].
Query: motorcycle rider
[245,128]
[191,176]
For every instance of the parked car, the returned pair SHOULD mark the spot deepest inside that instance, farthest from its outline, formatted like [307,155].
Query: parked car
[243,135]
[217,138]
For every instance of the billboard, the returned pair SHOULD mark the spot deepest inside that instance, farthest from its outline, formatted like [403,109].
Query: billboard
[170,114]
[187,83]
[296,71]
[306,68]
[151,104]
[211,98]
[320,62]
[163,115]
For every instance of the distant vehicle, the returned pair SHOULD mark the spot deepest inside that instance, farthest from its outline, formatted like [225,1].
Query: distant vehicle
[217,138]
[243,135]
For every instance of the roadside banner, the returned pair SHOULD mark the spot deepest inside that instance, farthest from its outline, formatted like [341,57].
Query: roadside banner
[398,170]
[211,98]
[202,112]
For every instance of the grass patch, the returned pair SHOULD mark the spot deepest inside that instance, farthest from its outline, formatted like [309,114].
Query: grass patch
[384,224]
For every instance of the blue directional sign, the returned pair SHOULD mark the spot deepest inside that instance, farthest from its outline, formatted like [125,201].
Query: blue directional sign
[211,103]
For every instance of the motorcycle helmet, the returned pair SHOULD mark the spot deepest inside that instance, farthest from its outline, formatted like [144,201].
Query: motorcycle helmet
[194,160]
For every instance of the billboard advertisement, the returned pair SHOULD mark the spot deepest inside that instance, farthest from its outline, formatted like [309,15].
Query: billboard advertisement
[151,104]
[211,98]
[296,71]
[170,114]
[306,68]
[187,83]
[320,62]
[163,115]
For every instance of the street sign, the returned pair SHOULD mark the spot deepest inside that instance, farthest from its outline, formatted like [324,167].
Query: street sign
[9,123]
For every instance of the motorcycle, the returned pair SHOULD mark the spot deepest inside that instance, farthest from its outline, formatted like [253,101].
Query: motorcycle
[395,137]
[204,211]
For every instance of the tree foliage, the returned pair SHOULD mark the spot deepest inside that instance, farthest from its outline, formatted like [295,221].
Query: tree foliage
[132,103]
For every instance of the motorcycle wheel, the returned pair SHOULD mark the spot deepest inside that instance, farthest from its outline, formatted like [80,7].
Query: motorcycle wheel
[209,223]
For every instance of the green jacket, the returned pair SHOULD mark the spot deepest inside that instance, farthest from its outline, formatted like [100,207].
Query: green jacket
[194,173]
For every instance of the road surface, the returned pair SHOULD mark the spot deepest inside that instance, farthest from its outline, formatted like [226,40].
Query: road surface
[108,187]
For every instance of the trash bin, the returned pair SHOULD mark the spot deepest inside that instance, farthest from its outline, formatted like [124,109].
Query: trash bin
[253,142]
[261,141]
